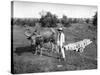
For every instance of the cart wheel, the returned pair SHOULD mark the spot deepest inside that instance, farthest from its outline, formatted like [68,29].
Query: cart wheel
[81,49]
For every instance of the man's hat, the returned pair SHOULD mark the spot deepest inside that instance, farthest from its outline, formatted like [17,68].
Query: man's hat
[60,29]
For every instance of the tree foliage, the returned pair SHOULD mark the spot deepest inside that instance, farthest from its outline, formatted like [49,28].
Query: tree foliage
[64,21]
[95,19]
[48,20]
[24,21]
[87,20]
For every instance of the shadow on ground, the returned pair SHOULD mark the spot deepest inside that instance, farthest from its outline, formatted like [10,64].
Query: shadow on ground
[20,50]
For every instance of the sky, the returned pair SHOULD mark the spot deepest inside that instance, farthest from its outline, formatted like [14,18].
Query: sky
[32,9]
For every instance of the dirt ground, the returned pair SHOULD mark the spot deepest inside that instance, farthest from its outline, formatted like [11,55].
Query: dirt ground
[26,62]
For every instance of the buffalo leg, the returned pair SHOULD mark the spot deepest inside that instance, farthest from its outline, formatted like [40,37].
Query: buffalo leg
[52,47]
[35,51]
[41,51]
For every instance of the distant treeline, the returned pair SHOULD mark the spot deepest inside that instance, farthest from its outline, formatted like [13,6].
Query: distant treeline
[24,21]
[51,20]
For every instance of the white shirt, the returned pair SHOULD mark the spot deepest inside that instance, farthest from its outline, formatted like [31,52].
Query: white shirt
[61,39]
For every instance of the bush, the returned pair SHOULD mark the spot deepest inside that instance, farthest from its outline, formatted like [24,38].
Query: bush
[64,21]
[48,20]
[95,19]
[24,21]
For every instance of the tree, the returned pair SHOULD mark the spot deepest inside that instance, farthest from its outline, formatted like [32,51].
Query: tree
[64,21]
[48,20]
[95,19]
[75,20]
[87,20]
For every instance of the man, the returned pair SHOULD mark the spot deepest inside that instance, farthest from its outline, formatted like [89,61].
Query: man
[61,41]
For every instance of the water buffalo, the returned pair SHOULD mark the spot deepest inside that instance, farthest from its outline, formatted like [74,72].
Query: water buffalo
[39,37]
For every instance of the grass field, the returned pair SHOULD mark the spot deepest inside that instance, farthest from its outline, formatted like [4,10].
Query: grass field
[27,62]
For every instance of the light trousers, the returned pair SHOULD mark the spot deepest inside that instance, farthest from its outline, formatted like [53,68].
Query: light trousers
[62,51]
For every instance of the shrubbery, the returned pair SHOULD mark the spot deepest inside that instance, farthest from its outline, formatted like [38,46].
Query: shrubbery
[95,19]
[51,20]
[24,21]
[48,20]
